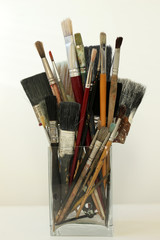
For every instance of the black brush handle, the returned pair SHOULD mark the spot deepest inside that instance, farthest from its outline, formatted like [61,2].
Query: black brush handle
[65,162]
[56,182]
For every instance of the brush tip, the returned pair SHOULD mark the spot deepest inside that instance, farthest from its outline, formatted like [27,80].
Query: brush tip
[93,54]
[51,56]
[67,27]
[119,42]
[122,111]
[102,38]
[51,104]
[78,39]
[40,49]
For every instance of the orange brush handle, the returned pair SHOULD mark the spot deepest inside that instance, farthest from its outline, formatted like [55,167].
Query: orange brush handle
[55,91]
[103,84]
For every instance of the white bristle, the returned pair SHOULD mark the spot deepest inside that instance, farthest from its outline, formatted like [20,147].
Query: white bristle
[67,27]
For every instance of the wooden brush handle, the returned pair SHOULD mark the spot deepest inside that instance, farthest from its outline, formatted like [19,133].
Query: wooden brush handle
[77,89]
[103,92]
[56,92]
[98,168]
[80,129]
[63,94]
[112,99]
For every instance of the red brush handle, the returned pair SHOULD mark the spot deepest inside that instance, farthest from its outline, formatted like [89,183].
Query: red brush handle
[80,129]
[77,89]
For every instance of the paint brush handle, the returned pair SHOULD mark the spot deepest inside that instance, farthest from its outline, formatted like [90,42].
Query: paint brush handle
[63,94]
[55,91]
[103,84]
[77,89]
[80,129]
[112,99]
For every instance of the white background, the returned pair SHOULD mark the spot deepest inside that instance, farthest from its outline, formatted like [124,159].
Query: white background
[23,145]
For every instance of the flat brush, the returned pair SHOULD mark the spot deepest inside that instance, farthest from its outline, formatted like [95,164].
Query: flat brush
[60,84]
[68,120]
[114,78]
[72,60]
[36,89]
[52,83]
[83,113]
[81,57]
[51,104]
[95,149]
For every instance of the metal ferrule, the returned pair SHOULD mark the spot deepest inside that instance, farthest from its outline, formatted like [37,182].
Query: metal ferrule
[115,131]
[94,139]
[53,132]
[116,62]
[71,56]
[89,75]
[81,58]
[48,71]
[56,71]
[103,58]
[38,112]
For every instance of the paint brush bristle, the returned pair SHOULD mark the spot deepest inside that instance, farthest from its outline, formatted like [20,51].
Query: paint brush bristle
[93,54]
[102,38]
[118,42]
[78,39]
[67,27]
[40,49]
[51,104]
[51,56]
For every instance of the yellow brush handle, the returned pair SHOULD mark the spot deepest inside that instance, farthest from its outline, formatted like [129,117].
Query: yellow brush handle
[103,85]
[103,94]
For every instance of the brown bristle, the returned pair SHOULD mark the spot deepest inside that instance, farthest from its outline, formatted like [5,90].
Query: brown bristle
[93,54]
[40,49]
[51,56]
[122,111]
[119,42]
[102,38]
[67,27]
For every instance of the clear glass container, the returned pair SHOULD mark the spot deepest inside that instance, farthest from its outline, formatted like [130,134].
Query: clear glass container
[91,222]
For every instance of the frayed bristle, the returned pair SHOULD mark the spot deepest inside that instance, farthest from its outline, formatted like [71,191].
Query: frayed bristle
[102,38]
[69,115]
[40,49]
[102,134]
[78,39]
[36,88]
[93,54]
[51,56]
[67,27]
[131,95]
[118,42]
[51,104]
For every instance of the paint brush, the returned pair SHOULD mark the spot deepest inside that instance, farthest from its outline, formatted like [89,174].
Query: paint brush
[60,84]
[68,120]
[70,200]
[51,104]
[72,60]
[114,78]
[81,57]
[83,113]
[37,88]
[52,83]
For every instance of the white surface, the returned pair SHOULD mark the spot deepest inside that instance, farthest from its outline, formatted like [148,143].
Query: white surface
[136,222]
[23,154]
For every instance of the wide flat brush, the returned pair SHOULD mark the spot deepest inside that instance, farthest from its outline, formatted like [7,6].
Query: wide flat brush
[83,114]
[51,104]
[52,83]
[72,60]
[68,120]
[60,84]
[37,88]
[81,57]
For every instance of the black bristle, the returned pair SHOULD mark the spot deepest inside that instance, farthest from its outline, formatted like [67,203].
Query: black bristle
[36,88]
[69,115]
[51,104]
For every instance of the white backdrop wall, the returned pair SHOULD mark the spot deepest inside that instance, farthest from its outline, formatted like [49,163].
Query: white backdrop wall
[23,154]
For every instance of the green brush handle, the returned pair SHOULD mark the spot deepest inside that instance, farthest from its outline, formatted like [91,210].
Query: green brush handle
[83,77]
[64,96]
